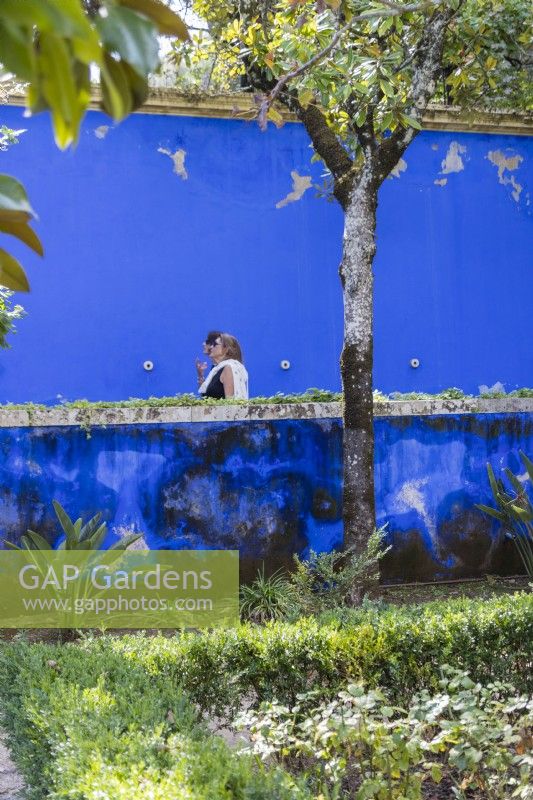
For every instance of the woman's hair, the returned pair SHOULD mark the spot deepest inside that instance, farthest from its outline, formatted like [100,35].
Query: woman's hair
[212,336]
[231,346]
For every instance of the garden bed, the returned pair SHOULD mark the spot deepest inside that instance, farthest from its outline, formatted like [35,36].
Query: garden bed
[120,718]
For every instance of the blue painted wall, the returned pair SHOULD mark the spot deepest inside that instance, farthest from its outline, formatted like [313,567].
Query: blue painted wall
[141,262]
[272,488]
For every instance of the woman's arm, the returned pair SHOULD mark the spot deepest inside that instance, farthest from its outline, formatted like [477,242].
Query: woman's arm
[226,378]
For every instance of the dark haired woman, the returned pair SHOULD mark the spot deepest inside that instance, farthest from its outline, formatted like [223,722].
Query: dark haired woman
[228,378]
[201,366]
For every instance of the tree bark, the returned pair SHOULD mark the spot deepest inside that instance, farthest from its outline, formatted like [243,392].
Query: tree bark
[359,248]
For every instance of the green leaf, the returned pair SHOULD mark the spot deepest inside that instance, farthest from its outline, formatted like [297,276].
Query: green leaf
[16,47]
[126,541]
[492,480]
[522,513]
[528,464]
[97,538]
[305,97]
[166,20]
[22,231]
[132,36]
[11,546]
[116,92]
[137,84]
[30,13]
[64,520]
[513,480]
[491,511]
[38,541]
[410,122]
[12,276]
[90,527]
[386,88]
[14,203]
[58,87]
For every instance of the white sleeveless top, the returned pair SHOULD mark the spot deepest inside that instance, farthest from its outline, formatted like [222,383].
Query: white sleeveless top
[240,377]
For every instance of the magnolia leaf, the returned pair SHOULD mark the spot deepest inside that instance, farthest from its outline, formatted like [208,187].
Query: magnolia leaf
[166,20]
[137,85]
[16,46]
[23,232]
[12,276]
[30,13]
[59,88]
[116,92]
[14,203]
[274,116]
[132,36]
[410,122]
[305,97]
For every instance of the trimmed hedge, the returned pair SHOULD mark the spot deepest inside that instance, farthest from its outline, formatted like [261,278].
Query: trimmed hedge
[399,649]
[89,724]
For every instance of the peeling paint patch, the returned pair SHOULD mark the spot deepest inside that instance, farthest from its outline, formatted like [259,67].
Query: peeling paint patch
[178,159]
[400,167]
[101,131]
[300,184]
[441,181]
[453,161]
[507,164]
[434,146]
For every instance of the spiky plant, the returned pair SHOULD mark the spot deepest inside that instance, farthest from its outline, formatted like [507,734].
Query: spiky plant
[514,509]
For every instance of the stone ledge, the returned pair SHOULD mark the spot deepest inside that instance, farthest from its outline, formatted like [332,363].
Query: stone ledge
[145,415]
[241,106]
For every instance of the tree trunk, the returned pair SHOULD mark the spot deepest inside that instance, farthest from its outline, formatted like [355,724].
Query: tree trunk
[357,359]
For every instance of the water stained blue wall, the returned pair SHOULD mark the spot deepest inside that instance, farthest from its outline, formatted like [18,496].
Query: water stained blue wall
[271,488]
[141,262]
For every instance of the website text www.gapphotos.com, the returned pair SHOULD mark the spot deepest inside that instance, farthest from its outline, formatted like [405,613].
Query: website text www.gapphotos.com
[110,605]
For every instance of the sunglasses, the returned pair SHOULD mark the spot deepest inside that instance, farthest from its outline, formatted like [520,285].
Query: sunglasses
[210,345]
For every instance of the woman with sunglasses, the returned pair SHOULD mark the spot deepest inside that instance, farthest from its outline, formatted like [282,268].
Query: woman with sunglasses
[228,377]
[201,366]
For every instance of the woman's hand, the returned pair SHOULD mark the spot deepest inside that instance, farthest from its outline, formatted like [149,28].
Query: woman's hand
[201,367]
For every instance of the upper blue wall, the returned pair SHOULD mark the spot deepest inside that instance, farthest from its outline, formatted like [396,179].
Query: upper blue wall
[141,262]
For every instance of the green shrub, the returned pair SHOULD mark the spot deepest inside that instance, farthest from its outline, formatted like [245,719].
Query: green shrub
[90,724]
[399,649]
[339,578]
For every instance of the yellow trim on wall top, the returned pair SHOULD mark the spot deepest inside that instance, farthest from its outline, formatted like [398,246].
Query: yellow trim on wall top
[241,106]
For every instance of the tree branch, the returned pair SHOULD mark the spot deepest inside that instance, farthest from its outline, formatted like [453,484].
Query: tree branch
[425,75]
[329,148]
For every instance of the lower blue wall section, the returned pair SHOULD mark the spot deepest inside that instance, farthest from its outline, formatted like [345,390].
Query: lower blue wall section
[271,488]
